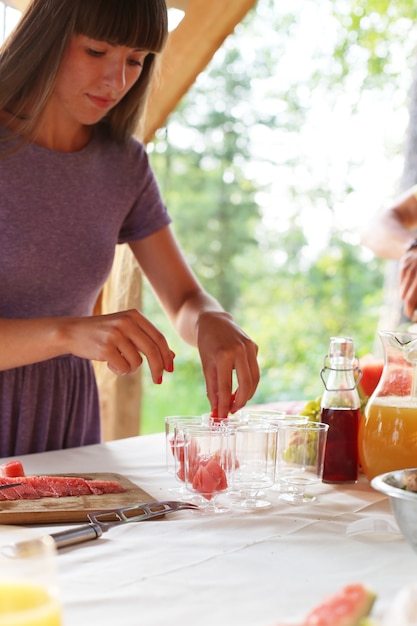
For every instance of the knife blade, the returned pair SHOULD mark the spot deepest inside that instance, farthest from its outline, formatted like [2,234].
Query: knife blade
[10,485]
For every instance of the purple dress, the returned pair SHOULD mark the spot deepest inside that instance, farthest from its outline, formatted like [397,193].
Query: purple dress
[61,216]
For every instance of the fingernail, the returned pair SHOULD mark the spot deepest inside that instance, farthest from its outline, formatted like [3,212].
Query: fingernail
[159,381]
[170,367]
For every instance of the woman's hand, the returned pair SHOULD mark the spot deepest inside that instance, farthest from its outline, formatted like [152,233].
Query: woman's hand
[408,283]
[225,348]
[120,339]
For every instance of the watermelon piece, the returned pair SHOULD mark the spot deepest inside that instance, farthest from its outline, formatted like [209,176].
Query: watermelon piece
[11,493]
[181,472]
[215,412]
[398,382]
[371,373]
[100,487]
[209,478]
[11,469]
[42,486]
[35,487]
[22,491]
[344,608]
[193,461]
[347,607]
[177,447]
[204,483]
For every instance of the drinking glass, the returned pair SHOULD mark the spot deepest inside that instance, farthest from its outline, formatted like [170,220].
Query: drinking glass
[209,464]
[174,443]
[230,418]
[300,458]
[277,420]
[29,583]
[256,448]
[262,414]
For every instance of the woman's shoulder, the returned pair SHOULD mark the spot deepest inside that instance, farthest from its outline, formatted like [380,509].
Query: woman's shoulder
[129,155]
[129,146]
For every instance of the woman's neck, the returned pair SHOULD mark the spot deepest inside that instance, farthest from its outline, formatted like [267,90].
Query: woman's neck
[52,139]
[54,136]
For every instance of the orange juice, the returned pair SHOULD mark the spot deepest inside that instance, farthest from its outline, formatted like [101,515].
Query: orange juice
[27,604]
[388,435]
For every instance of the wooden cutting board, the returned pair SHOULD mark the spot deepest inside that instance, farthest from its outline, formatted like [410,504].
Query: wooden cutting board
[72,508]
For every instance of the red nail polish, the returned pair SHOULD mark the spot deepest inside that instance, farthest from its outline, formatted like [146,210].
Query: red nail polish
[159,381]
[170,368]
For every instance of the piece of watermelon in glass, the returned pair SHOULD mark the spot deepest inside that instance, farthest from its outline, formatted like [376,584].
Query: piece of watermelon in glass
[210,478]
[208,473]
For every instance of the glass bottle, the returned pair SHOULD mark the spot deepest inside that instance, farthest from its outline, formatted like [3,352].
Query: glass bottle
[340,408]
[388,430]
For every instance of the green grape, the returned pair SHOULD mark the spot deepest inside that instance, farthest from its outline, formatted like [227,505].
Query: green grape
[298,454]
[312,410]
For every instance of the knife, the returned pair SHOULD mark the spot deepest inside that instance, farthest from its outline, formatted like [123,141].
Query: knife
[102,521]
[10,485]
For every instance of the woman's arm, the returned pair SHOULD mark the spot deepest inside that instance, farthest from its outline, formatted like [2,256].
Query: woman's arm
[389,233]
[200,321]
[118,339]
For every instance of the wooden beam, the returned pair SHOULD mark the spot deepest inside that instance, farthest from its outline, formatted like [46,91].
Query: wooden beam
[178,4]
[190,47]
[20,5]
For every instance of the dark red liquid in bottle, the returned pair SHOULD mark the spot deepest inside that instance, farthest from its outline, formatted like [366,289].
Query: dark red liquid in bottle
[341,460]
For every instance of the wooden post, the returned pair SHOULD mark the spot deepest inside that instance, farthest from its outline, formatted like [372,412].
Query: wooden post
[189,49]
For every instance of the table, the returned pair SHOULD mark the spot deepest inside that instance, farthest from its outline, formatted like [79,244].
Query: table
[239,569]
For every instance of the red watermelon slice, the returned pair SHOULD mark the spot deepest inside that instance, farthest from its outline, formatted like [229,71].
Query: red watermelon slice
[346,607]
[12,469]
[35,487]
[371,373]
[209,478]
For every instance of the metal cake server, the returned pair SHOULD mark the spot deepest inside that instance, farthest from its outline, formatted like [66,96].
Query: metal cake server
[101,521]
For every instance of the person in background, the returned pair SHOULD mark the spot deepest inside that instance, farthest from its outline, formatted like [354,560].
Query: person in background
[74,184]
[392,234]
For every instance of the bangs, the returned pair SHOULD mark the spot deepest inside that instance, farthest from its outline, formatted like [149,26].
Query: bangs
[141,24]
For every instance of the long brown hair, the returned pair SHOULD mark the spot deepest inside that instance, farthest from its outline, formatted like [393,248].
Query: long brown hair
[31,56]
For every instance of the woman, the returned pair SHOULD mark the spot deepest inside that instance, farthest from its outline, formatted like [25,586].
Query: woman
[73,184]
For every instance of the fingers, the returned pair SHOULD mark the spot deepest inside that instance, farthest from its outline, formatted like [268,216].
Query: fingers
[241,363]
[125,358]
[129,337]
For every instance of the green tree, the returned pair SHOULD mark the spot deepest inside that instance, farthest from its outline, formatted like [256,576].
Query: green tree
[289,295]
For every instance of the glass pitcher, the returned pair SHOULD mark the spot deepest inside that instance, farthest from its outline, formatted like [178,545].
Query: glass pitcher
[388,430]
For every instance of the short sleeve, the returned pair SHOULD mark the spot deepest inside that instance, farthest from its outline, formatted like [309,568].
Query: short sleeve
[148,213]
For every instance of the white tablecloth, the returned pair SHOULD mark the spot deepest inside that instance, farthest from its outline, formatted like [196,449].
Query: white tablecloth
[239,569]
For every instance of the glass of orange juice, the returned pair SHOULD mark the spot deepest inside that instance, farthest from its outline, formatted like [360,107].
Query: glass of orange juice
[29,594]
